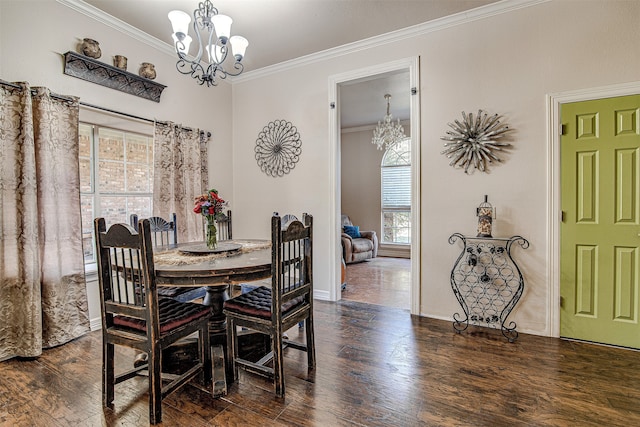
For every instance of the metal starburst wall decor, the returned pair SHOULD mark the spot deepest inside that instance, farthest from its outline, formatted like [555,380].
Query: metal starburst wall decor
[473,142]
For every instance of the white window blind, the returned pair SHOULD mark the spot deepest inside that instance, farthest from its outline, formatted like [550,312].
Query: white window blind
[396,184]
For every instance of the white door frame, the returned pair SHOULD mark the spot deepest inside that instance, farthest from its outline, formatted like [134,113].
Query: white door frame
[554,102]
[412,65]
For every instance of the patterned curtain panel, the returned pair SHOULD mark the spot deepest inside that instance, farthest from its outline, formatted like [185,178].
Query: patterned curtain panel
[179,171]
[43,300]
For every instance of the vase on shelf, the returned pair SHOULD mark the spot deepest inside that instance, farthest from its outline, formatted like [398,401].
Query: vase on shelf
[211,232]
[90,48]
[147,70]
[120,61]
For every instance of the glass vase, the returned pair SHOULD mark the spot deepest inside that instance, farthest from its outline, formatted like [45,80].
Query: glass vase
[211,233]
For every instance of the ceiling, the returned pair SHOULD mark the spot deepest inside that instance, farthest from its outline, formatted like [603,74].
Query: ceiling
[282,30]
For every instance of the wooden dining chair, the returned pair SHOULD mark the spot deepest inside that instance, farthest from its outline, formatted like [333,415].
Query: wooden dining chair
[223,224]
[134,316]
[273,310]
[163,232]
[166,233]
[285,220]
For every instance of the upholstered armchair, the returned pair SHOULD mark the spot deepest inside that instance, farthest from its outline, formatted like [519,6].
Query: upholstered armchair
[356,249]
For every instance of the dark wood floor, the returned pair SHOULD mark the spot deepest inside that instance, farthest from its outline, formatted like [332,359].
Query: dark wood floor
[377,366]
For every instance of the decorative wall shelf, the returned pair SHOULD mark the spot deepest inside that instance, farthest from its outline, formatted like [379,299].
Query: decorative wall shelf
[89,69]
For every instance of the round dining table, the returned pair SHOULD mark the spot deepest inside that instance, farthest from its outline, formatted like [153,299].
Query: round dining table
[192,265]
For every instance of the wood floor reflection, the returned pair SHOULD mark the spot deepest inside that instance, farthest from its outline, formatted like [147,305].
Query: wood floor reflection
[382,280]
[376,366]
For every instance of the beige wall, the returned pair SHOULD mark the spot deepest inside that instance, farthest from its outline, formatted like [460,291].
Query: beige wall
[35,34]
[360,179]
[505,64]
[360,184]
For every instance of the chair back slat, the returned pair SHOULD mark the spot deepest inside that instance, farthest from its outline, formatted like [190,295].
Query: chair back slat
[223,225]
[163,232]
[291,260]
[125,266]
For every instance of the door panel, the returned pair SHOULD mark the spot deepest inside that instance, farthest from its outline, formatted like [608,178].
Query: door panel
[599,235]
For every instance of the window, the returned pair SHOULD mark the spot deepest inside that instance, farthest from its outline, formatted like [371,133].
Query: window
[396,193]
[116,178]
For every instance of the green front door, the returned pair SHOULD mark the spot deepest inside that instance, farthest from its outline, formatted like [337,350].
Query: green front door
[600,231]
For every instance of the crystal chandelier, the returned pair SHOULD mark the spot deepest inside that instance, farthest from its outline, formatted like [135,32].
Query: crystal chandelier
[208,24]
[386,134]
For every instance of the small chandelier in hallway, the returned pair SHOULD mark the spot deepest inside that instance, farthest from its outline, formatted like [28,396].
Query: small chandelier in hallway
[387,133]
[212,31]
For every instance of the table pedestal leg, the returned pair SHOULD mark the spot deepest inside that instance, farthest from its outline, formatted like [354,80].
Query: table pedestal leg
[215,298]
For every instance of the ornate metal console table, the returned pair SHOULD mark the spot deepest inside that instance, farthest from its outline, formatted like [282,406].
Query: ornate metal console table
[487,282]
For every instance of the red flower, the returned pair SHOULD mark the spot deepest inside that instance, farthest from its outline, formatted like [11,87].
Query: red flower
[209,204]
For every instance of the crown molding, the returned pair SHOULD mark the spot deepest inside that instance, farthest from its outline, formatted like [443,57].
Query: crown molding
[117,24]
[369,127]
[482,12]
[362,128]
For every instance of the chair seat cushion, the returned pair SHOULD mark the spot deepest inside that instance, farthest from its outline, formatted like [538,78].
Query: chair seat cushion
[173,314]
[182,293]
[257,303]
[362,245]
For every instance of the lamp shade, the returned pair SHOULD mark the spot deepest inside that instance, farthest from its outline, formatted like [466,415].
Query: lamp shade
[180,22]
[222,25]
[183,46]
[217,56]
[239,46]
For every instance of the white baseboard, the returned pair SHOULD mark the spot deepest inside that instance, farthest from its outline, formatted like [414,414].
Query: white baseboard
[394,252]
[95,324]
[321,295]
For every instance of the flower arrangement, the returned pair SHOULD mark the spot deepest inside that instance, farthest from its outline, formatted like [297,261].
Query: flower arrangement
[210,205]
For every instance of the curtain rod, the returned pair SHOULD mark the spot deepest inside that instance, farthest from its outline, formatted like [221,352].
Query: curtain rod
[53,95]
[97,107]
[84,104]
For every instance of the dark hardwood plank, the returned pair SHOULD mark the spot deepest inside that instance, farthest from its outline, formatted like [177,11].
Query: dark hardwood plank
[377,366]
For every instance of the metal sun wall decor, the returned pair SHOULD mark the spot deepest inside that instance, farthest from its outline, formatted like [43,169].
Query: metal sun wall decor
[278,148]
[473,141]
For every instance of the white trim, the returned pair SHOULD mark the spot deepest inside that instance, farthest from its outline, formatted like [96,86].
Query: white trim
[335,192]
[394,252]
[322,295]
[95,324]
[372,126]
[554,102]
[416,191]
[117,24]
[412,65]
[482,12]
